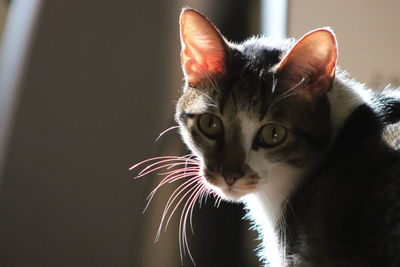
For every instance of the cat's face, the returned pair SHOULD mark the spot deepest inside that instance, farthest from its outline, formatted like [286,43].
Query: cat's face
[254,117]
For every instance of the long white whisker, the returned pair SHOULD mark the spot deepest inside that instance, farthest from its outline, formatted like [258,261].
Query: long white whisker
[178,158]
[183,220]
[173,197]
[157,166]
[181,170]
[154,159]
[167,130]
[174,168]
[188,160]
[164,181]
[201,191]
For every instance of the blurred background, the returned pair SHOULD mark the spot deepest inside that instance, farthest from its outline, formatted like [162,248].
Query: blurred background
[85,89]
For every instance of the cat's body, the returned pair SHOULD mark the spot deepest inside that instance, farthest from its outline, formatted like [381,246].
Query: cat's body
[357,202]
[276,126]
[347,212]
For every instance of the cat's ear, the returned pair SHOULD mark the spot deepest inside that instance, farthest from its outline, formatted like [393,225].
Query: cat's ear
[203,47]
[312,61]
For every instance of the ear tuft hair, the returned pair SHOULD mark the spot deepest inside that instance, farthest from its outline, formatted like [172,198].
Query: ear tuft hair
[312,58]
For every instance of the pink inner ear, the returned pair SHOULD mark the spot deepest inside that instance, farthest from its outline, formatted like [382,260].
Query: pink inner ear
[314,56]
[203,47]
[208,59]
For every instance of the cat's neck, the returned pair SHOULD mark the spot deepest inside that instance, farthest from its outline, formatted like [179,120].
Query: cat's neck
[266,206]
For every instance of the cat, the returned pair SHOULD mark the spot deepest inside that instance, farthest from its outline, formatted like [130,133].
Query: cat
[278,126]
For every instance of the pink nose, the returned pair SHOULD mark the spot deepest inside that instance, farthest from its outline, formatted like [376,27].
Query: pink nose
[231,176]
[230,180]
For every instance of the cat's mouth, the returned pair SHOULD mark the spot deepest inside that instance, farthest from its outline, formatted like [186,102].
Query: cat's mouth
[232,190]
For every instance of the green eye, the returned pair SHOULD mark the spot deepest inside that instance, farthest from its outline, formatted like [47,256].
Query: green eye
[210,125]
[272,135]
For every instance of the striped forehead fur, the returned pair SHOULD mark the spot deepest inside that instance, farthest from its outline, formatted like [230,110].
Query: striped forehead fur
[248,84]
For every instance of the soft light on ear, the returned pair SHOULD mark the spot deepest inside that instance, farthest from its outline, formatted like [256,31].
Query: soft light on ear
[312,59]
[203,48]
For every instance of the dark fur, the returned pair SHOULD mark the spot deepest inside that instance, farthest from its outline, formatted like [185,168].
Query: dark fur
[348,213]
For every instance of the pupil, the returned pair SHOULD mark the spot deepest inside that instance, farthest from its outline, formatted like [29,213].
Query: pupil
[210,122]
[274,134]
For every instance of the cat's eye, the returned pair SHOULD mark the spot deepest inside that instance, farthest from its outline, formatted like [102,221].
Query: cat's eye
[210,125]
[272,135]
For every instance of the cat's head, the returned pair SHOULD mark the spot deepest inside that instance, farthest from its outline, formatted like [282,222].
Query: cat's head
[255,114]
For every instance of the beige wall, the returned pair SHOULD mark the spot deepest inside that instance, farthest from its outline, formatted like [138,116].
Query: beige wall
[3,14]
[368,33]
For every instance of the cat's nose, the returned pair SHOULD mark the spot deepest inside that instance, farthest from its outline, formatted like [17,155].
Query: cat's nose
[231,175]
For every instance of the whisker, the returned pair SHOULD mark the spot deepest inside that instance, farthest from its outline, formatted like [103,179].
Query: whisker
[206,192]
[156,166]
[175,168]
[164,181]
[173,197]
[158,158]
[183,220]
[167,207]
[181,170]
[189,158]
[287,96]
[187,162]
[217,202]
[173,179]
[205,199]
[201,192]
[193,180]
[274,83]
[296,85]
[167,130]
[290,92]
